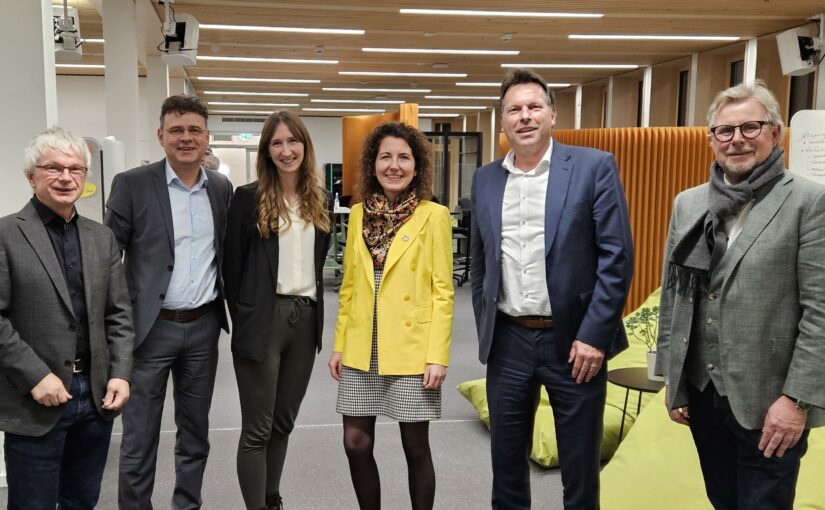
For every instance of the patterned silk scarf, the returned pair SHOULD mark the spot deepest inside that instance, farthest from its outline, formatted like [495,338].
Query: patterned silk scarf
[382,221]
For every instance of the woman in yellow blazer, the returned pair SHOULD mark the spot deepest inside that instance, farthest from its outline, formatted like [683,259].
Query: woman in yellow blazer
[392,339]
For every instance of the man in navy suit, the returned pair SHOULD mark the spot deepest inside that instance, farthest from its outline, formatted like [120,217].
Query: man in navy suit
[552,260]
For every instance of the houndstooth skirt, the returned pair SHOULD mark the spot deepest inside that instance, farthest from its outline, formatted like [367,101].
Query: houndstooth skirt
[398,397]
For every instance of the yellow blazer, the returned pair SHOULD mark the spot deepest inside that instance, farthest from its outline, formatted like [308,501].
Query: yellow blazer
[415,299]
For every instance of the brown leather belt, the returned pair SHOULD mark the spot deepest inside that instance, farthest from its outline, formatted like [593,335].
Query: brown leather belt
[531,321]
[186,315]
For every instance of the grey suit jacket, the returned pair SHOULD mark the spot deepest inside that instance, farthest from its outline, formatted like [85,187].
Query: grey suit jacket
[772,308]
[139,212]
[37,321]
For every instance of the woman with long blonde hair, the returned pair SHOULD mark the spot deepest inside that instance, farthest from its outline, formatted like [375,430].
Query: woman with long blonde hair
[278,233]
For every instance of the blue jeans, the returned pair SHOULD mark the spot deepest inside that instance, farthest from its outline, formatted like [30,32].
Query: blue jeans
[65,466]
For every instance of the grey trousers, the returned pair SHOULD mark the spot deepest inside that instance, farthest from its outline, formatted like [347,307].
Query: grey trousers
[189,350]
[271,393]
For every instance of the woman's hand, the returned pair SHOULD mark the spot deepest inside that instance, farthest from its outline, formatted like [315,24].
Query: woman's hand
[434,376]
[335,366]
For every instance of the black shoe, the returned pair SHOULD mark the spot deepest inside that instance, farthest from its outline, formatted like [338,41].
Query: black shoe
[274,502]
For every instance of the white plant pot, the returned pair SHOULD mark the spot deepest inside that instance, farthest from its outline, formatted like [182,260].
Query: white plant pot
[651,367]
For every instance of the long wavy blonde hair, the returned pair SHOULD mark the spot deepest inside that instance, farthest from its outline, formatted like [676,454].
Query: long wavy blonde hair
[270,196]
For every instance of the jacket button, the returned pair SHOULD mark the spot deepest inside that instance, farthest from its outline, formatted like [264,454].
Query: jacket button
[710,366]
[710,321]
[163,296]
[408,323]
[412,266]
[68,364]
[72,327]
[684,340]
[406,297]
[170,268]
[712,297]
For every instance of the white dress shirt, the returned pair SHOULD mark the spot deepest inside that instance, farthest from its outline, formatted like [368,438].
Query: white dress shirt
[523,267]
[735,224]
[296,256]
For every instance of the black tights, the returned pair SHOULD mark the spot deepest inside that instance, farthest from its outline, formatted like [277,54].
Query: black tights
[359,441]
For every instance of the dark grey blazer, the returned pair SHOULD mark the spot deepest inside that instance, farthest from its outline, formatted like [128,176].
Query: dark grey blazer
[37,321]
[250,273]
[139,212]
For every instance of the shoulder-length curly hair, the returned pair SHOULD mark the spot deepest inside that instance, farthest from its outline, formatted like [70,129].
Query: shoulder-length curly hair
[270,195]
[422,183]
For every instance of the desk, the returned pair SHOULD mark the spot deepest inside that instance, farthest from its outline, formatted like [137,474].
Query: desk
[635,379]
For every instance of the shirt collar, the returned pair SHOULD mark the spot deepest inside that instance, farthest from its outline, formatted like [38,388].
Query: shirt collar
[172,177]
[543,166]
[47,215]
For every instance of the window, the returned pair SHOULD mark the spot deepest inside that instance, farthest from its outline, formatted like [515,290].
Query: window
[639,101]
[737,72]
[802,94]
[681,108]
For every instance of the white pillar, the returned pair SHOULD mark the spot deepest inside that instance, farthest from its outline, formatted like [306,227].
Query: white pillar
[28,97]
[578,116]
[819,84]
[120,54]
[157,90]
[608,118]
[647,87]
[493,136]
[750,62]
[693,76]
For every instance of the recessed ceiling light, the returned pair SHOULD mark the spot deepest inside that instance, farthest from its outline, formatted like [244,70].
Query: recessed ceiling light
[478,98]
[574,66]
[523,14]
[641,37]
[362,89]
[236,93]
[261,80]
[232,103]
[93,41]
[81,66]
[423,75]
[269,60]
[436,107]
[248,28]
[358,101]
[498,84]
[354,110]
[437,115]
[440,51]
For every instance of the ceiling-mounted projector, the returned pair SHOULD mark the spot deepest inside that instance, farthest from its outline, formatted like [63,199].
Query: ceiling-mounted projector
[180,38]
[67,43]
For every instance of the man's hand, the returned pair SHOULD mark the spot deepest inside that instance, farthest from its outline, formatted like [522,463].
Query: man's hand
[434,376]
[50,391]
[117,393]
[586,359]
[783,427]
[680,415]
[335,365]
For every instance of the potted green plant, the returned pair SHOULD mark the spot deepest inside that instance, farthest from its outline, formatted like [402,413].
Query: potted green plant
[644,325]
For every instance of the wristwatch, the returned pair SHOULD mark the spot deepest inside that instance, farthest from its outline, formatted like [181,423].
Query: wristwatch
[802,405]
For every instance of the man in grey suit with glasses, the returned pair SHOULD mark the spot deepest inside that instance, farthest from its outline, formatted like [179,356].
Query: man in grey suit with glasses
[742,316]
[169,218]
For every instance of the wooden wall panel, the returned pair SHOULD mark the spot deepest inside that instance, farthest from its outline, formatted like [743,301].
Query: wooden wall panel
[355,130]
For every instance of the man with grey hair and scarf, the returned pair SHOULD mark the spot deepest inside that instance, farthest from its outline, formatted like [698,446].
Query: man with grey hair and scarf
[742,316]
[66,334]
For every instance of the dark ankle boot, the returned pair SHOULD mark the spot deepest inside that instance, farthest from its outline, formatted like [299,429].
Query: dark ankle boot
[274,502]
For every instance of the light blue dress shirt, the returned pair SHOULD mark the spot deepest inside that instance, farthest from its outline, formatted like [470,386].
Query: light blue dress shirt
[195,274]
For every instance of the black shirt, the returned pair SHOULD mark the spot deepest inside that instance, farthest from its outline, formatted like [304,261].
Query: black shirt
[66,243]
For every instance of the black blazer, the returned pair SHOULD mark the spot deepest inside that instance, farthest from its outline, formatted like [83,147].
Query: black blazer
[250,275]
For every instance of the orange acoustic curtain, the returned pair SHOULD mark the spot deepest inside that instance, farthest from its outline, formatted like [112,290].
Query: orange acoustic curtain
[355,130]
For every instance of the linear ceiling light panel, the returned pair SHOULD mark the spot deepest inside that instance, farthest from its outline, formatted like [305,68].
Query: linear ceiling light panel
[574,66]
[642,37]
[81,66]
[436,107]
[476,98]
[232,103]
[498,84]
[247,112]
[248,28]
[357,89]
[93,41]
[255,80]
[354,110]
[437,115]
[440,51]
[268,60]
[416,75]
[358,101]
[233,93]
[511,14]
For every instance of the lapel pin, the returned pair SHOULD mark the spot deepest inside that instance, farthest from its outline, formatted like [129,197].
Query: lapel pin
[405,238]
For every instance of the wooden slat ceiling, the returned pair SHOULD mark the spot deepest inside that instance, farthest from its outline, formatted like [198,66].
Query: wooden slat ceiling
[540,40]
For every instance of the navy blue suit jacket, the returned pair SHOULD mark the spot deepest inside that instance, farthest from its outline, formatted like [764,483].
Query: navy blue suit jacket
[588,249]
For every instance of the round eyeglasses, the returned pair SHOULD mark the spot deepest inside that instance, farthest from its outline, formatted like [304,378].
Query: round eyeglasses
[749,130]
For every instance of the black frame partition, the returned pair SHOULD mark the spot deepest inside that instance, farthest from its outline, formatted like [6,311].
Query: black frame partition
[468,159]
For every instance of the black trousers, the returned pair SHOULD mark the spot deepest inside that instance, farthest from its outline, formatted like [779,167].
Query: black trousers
[737,475]
[521,361]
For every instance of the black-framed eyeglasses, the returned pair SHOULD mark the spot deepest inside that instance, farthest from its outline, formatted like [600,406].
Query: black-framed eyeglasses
[749,130]
[56,170]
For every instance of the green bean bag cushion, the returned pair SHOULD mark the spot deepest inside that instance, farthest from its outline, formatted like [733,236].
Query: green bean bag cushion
[544,450]
[657,467]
